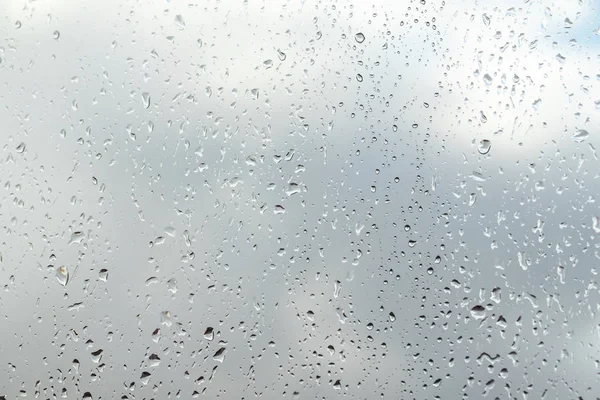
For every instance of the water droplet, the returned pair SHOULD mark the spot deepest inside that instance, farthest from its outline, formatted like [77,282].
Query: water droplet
[336,288]
[268,63]
[179,21]
[18,24]
[359,77]
[145,377]
[219,355]
[496,296]
[56,35]
[580,135]
[281,55]
[279,209]
[62,275]
[487,79]
[209,333]
[486,19]
[154,360]
[172,285]
[392,317]
[166,319]
[103,275]
[146,99]
[76,237]
[97,356]
[478,312]
[484,146]
[359,37]
[21,148]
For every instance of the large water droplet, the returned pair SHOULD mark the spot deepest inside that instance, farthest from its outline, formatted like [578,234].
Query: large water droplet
[359,37]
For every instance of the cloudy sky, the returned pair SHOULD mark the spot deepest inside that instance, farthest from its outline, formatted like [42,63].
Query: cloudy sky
[240,199]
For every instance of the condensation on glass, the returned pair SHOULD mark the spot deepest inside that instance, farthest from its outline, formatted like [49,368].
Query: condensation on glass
[299,199]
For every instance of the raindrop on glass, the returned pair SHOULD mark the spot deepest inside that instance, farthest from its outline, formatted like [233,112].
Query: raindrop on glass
[484,146]
[62,275]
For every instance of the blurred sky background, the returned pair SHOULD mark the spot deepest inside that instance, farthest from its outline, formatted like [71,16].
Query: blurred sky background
[265,199]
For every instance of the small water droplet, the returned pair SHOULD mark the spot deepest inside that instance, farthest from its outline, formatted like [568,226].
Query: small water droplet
[281,55]
[219,355]
[18,24]
[62,275]
[359,37]
[580,135]
[496,296]
[179,21]
[279,209]
[154,360]
[97,356]
[145,377]
[359,77]
[486,19]
[392,317]
[146,99]
[268,63]
[172,285]
[484,146]
[336,288]
[21,148]
[478,312]
[56,35]
[76,237]
[209,333]
[103,275]
[487,79]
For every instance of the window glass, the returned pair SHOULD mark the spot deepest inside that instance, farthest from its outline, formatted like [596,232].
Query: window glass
[299,199]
